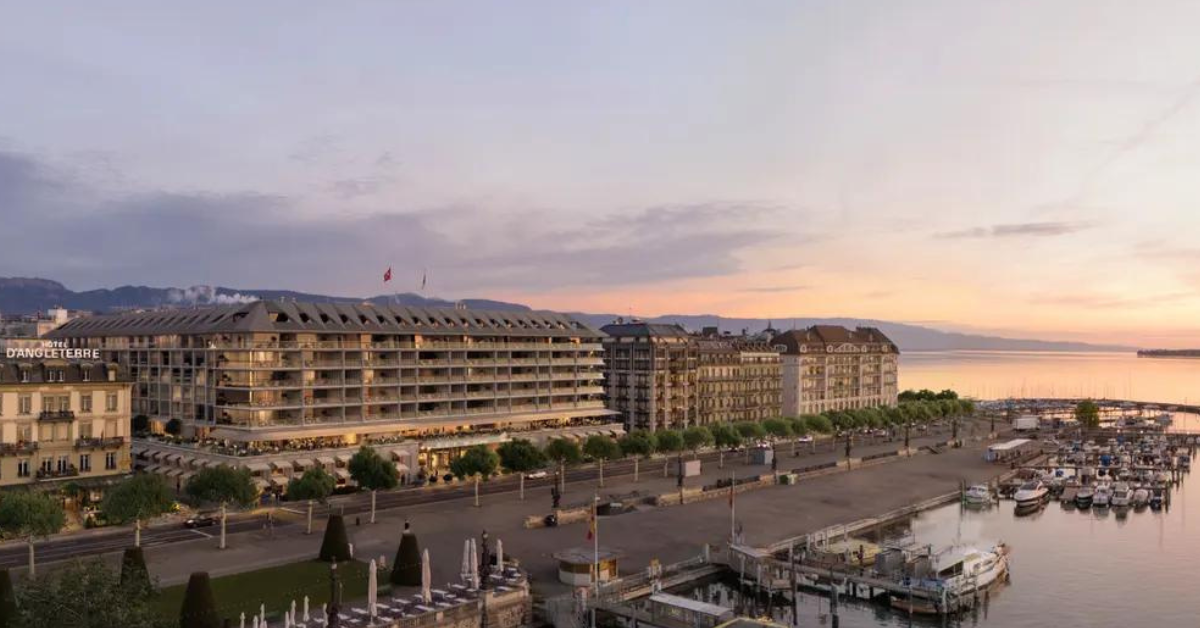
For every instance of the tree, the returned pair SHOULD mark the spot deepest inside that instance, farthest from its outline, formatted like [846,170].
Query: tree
[29,515]
[136,499]
[371,471]
[1088,414]
[724,435]
[222,485]
[668,441]
[479,460]
[601,448]
[777,428]
[86,594]
[174,427]
[8,601]
[406,570]
[638,443]
[521,456]
[967,406]
[799,425]
[751,430]
[819,423]
[316,483]
[335,545]
[696,437]
[564,451]
[140,424]
[947,394]
[199,609]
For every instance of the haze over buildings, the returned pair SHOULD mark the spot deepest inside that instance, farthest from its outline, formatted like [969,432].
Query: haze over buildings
[1014,167]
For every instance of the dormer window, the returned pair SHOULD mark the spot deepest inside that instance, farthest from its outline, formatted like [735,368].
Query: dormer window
[24,376]
[86,374]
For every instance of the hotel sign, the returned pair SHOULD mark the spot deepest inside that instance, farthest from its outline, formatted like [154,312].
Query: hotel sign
[52,350]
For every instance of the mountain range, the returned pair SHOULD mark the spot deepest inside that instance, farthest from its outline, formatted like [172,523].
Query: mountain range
[20,295]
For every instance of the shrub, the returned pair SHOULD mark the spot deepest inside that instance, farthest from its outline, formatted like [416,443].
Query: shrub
[335,545]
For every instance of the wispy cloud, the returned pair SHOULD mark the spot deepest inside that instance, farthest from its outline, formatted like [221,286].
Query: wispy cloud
[1018,230]
[1110,301]
[774,289]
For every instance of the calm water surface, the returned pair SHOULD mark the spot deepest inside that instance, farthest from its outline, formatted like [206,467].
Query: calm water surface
[1068,568]
[997,374]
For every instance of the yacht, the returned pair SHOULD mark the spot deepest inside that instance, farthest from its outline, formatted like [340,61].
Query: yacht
[1102,496]
[1083,498]
[1033,492]
[1157,496]
[1141,498]
[960,571]
[1122,496]
[978,494]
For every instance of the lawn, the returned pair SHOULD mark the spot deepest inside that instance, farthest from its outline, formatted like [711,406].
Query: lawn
[276,587]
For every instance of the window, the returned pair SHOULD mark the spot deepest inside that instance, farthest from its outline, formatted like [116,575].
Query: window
[86,374]
[64,463]
[23,469]
[110,429]
[110,460]
[25,432]
[110,402]
[47,465]
[85,403]
[1,404]
[46,433]
[85,430]
[24,376]
[25,404]
[85,463]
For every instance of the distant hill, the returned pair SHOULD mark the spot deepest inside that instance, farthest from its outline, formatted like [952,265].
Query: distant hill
[19,295]
[907,337]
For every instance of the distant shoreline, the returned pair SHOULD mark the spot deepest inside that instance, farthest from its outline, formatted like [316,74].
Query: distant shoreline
[1170,353]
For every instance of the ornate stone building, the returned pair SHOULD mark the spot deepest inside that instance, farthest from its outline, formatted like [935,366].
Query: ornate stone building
[827,367]
[739,379]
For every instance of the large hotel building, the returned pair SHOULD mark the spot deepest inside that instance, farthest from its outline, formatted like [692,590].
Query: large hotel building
[659,376]
[827,367]
[62,420]
[280,386]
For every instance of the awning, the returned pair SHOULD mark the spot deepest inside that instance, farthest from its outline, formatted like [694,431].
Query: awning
[153,468]
[401,467]
[341,473]
[174,473]
[303,463]
[279,481]
[187,475]
[344,458]
[261,483]
[155,455]
[258,467]
[282,465]
[400,454]
[184,461]
[326,461]
[170,458]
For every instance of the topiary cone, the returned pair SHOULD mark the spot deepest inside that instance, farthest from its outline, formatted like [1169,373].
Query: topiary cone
[199,609]
[8,601]
[133,570]
[406,570]
[335,545]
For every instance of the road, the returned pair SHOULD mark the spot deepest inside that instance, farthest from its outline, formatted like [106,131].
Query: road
[96,542]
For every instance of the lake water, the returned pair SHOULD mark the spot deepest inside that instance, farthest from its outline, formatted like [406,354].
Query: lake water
[999,374]
[1069,568]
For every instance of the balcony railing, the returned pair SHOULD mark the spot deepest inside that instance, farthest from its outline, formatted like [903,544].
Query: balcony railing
[56,415]
[18,449]
[49,474]
[99,443]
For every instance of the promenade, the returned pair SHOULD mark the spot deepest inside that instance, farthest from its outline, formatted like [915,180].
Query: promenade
[666,533]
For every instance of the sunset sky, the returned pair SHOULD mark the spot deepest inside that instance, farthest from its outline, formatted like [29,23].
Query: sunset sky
[1027,168]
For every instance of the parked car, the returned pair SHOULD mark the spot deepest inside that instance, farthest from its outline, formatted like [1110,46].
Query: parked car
[537,475]
[804,439]
[200,521]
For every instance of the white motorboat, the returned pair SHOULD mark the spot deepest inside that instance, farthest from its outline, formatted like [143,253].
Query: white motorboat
[1102,496]
[960,572]
[1141,498]
[1083,498]
[1122,495]
[978,494]
[1033,492]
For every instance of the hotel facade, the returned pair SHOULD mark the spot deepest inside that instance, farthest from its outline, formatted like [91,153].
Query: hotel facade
[662,377]
[62,420]
[280,386]
[827,367]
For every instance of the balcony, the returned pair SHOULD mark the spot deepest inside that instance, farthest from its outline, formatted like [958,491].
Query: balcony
[18,449]
[69,472]
[56,415]
[99,443]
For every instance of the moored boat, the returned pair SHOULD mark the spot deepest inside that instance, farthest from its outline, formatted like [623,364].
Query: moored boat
[978,494]
[1031,493]
[958,572]
[1100,499]
[1122,495]
[1083,498]
[1141,498]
